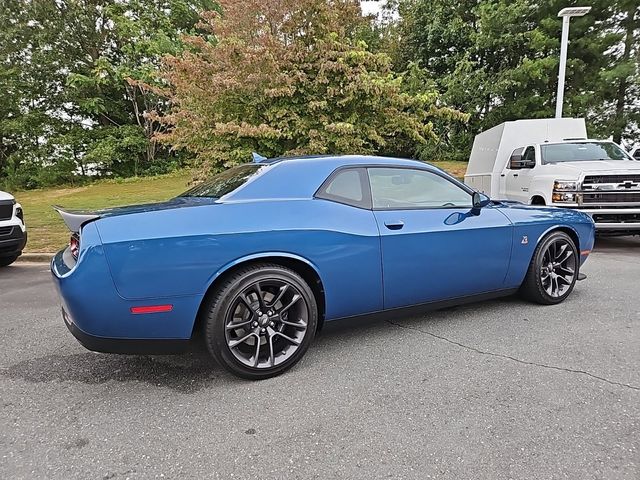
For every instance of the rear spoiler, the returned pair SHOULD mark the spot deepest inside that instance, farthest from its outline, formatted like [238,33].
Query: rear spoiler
[75,219]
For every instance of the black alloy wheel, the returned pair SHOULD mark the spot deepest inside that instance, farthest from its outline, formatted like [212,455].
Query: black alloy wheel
[261,321]
[553,270]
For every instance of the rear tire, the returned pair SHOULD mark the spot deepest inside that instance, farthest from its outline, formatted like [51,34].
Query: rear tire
[275,316]
[553,270]
[6,261]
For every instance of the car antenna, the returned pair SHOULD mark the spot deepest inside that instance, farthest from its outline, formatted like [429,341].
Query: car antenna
[257,158]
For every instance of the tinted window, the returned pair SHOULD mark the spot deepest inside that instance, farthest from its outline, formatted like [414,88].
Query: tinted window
[224,182]
[406,188]
[346,186]
[529,154]
[581,151]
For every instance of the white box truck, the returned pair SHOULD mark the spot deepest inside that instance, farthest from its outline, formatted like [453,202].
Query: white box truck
[551,162]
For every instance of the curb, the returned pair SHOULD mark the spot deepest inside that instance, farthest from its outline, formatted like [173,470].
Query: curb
[35,257]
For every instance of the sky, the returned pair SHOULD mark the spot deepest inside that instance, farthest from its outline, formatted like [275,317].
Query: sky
[371,6]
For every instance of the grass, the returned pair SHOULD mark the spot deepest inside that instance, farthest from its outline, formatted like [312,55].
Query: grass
[455,168]
[47,232]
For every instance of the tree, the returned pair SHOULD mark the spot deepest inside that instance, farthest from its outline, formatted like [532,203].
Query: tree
[291,77]
[498,60]
[75,76]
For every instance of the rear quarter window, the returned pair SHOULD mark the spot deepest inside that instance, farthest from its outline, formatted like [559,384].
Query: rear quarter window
[348,186]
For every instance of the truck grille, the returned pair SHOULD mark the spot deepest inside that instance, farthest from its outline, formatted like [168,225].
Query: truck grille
[6,210]
[611,197]
[622,189]
[599,179]
[5,231]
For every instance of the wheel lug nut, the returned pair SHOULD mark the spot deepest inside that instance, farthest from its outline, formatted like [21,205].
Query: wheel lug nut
[259,312]
[272,324]
[263,330]
[255,324]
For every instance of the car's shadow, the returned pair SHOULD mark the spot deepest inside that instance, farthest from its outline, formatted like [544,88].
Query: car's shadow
[361,325]
[185,373]
[196,370]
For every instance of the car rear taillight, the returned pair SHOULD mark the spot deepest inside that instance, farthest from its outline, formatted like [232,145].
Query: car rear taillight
[74,245]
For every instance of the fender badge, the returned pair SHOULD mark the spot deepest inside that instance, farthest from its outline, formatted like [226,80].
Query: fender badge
[525,240]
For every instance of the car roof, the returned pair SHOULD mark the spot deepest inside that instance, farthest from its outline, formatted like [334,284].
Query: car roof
[301,176]
[345,160]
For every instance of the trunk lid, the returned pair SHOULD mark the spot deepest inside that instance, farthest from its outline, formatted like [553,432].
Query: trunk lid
[75,219]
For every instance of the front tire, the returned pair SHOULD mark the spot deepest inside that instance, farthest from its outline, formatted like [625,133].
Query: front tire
[260,321]
[553,270]
[6,261]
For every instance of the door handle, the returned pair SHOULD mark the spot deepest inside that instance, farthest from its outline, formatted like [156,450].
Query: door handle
[515,174]
[394,225]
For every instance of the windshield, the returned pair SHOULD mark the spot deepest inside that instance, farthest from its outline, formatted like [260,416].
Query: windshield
[224,182]
[582,151]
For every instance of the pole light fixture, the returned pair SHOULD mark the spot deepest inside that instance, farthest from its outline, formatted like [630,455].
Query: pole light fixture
[566,14]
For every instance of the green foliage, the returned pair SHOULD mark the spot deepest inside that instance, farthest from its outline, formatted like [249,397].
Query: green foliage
[292,77]
[498,60]
[85,90]
[76,79]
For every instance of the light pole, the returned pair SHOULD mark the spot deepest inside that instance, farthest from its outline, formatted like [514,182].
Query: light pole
[566,14]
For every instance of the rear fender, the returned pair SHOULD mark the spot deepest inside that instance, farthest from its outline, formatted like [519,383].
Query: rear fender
[258,256]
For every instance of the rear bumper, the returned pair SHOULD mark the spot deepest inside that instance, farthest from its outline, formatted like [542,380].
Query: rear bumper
[124,345]
[103,321]
[13,242]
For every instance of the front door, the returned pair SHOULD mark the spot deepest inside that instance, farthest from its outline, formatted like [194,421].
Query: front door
[434,245]
[518,180]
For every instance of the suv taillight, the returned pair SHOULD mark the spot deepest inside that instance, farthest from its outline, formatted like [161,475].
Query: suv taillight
[74,245]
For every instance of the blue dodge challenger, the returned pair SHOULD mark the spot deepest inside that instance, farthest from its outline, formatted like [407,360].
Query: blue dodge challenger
[259,256]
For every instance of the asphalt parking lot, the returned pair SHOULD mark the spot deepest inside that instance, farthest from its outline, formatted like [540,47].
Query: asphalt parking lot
[498,390]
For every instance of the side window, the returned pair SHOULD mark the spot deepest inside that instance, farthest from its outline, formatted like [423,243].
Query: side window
[407,188]
[529,154]
[346,186]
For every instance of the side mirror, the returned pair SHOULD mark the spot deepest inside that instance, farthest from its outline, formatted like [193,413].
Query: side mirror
[480,200]
[516,162]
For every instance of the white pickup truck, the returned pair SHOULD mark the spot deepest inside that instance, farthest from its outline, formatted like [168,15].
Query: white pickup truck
[13,232]
[551,162]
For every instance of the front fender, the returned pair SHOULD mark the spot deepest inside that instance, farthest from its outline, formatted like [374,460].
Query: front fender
[531,224]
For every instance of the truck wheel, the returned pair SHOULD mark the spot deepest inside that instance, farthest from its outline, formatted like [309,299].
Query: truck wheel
[260,321]
[6,261]
[553,270]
